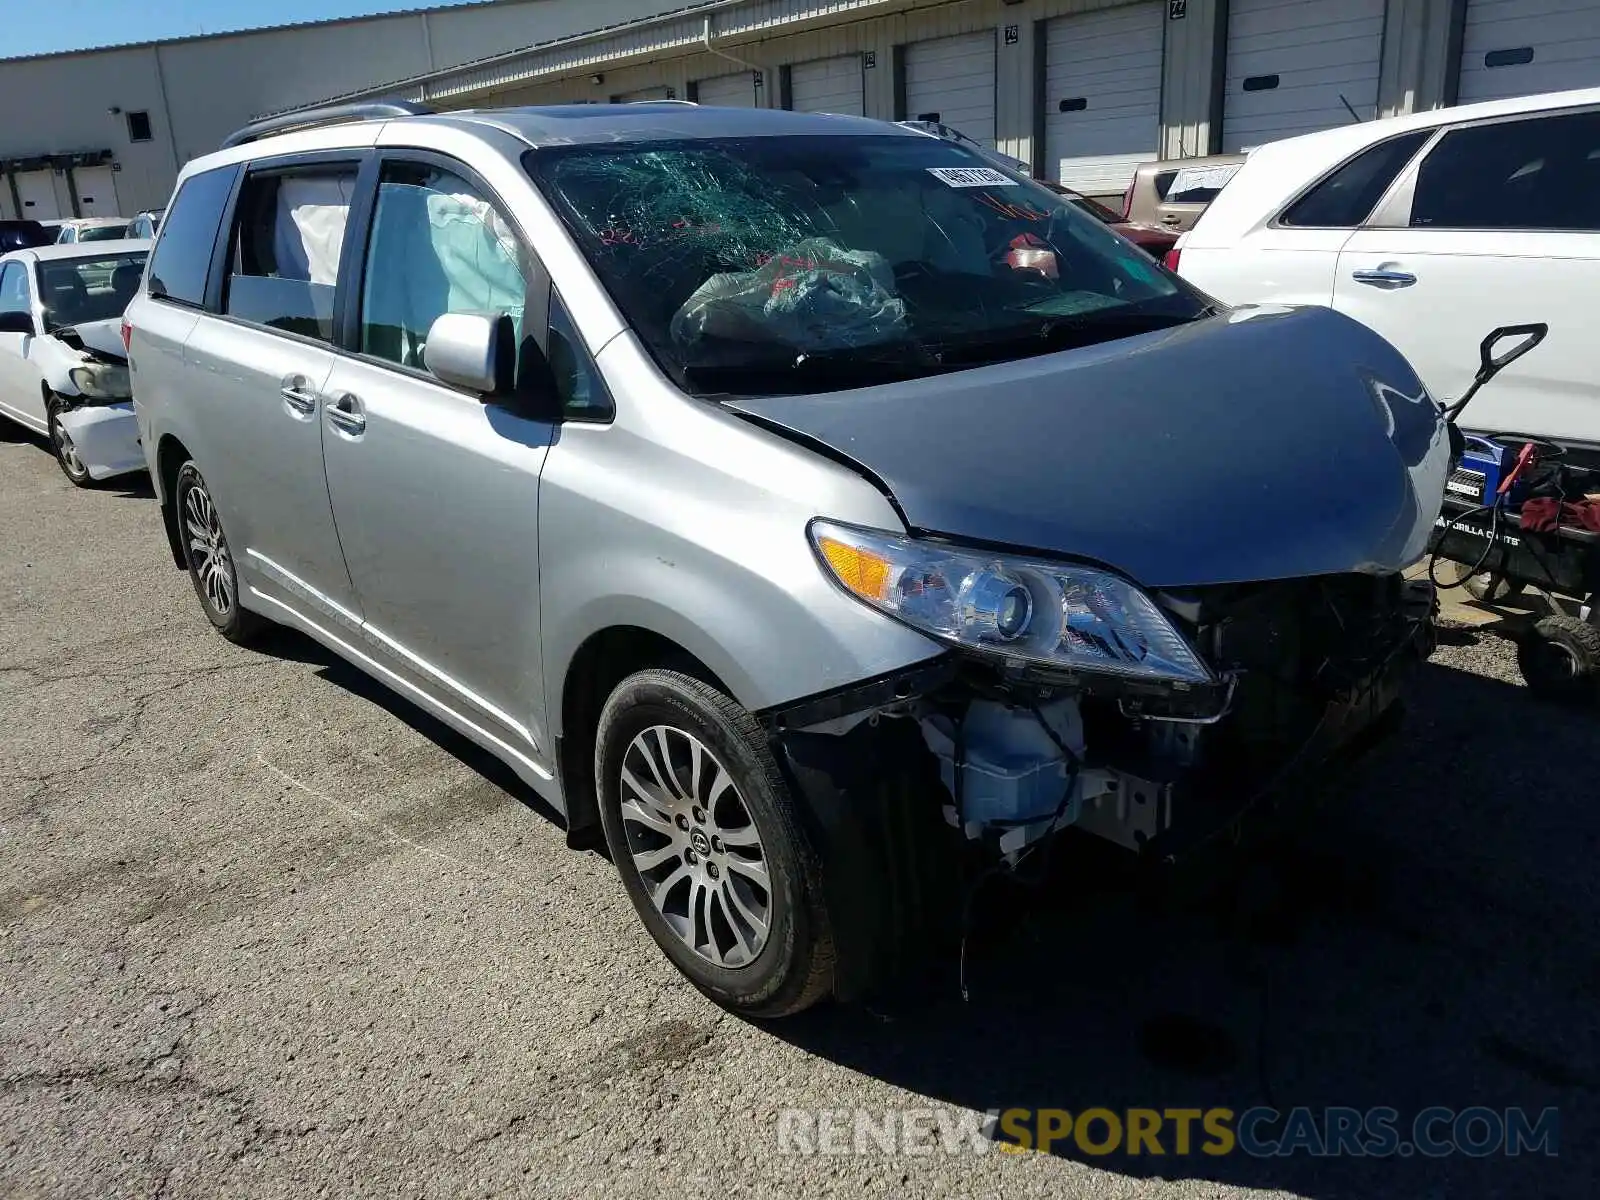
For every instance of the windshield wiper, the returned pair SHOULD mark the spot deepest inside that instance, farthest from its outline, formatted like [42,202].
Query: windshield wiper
[804,371]
[1057,333]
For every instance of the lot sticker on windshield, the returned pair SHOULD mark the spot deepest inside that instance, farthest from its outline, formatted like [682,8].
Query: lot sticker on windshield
[963,177]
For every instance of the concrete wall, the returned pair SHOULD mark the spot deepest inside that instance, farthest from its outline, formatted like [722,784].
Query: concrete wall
[199,90]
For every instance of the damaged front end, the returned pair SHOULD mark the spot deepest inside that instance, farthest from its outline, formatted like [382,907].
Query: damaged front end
[95,401]
[1300,671]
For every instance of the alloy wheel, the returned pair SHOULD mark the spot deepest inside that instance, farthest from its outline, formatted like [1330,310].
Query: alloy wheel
[694,843]
[208,549]
[68,452]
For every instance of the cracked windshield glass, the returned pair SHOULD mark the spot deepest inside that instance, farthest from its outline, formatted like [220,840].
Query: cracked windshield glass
[818,263]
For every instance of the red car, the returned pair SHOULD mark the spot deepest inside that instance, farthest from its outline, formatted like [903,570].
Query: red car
[1153,240]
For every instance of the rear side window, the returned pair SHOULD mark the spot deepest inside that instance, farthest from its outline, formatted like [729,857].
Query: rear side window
[183,255]
[1347,197]
[287,242]
[1536,174]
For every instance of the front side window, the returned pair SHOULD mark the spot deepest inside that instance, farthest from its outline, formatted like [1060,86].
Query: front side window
[15,296]
[579,386]
[77,290]
[1347,197]
[825,262]
[287,242]
[182,260]
[437,246]
[1542,173]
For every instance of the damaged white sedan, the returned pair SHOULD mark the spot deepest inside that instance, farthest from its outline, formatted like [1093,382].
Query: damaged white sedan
[63,363]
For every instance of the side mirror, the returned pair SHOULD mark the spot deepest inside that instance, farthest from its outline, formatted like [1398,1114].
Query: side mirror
[16,322]
[472,351]
[1491,364]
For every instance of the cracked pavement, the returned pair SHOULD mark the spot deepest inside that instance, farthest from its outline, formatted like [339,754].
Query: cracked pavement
[266,930]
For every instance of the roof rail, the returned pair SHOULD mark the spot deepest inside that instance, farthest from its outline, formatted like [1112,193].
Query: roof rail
[332,114]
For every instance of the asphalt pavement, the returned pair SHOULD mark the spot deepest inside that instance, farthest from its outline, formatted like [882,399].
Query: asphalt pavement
[267,930]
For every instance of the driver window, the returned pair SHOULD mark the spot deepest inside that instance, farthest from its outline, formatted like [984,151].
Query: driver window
[15,295]
[437,246]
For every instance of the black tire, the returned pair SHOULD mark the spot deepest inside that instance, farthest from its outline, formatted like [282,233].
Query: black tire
[1560,659]
[217,586]
[61,446]
[1492,588]
[793,967]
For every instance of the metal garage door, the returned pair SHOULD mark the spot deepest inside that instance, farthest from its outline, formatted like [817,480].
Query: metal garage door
[830,85]
[1296,66]
[97,191]
[38,192]
[1102,96]
[951,80]
[1520,47]
[727,91]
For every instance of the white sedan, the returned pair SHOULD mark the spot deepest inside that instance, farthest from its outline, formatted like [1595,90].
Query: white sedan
[63,365]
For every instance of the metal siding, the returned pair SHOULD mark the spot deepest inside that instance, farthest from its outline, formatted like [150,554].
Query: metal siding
[1111,59]
[954,78]
[1319,49]
[831,85]
[727,91]
[1564,36]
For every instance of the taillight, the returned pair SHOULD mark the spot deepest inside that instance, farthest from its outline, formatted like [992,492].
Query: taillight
[1127,202]
[127,335]
[1170,259]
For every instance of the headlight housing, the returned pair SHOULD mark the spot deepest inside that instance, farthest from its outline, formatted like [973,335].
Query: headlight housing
[101,381]
[1049,613]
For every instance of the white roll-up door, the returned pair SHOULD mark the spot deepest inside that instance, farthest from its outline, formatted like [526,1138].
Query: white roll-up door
[831,85]
[1522,47]
[951,80]
[97,191]
[727,91]
[1296,66]
[1102,96]
[38,193]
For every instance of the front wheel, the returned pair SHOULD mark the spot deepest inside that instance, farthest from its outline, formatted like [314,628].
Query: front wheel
[67,456]
[209,558]
[708,841]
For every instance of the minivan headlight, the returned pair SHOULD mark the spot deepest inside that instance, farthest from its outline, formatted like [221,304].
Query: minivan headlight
[1050,613]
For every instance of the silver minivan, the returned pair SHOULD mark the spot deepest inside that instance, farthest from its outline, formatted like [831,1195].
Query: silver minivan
[819,516]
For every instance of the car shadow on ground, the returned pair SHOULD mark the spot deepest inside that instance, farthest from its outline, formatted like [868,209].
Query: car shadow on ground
[279,641]
[1429,937]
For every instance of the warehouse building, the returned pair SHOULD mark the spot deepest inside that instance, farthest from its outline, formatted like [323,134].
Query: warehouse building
[1082,89]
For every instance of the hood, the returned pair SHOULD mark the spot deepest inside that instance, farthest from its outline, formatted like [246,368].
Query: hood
[1264,443]
[102,337]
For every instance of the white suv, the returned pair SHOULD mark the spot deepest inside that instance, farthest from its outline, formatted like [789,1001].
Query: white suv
[1431,229]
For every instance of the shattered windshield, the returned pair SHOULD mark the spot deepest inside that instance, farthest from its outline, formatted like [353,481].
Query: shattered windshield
[818,262]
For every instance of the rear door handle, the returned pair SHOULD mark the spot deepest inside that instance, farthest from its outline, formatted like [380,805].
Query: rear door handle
[1171,219]
[297,394]
[347,413]
[1384,278]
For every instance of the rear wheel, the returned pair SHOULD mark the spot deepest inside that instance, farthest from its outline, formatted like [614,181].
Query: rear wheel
[67,456]
[706,837]
[209,558]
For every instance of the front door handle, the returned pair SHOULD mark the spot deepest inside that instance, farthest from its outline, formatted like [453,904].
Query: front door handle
[347,414]
[1171,219]
[297,394]
[1383,277]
